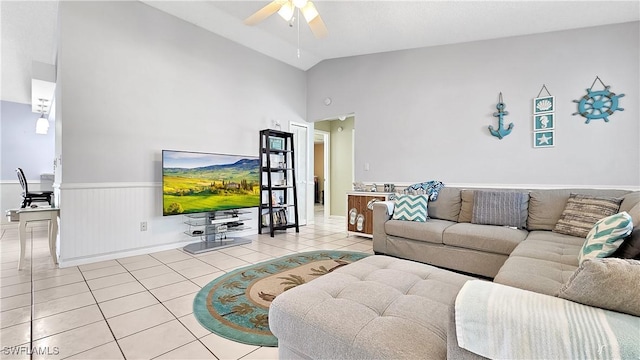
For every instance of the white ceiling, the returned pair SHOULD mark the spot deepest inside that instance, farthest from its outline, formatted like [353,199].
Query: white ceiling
[355,28]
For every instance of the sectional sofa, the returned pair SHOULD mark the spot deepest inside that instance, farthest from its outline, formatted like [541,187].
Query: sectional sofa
[390,307]
[450,240]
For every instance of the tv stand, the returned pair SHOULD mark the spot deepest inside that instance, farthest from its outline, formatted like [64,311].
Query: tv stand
[214,230]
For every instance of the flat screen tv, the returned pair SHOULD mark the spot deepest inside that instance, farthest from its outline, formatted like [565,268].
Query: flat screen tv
[195,182]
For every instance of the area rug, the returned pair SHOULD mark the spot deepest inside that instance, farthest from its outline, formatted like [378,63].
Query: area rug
[236,305]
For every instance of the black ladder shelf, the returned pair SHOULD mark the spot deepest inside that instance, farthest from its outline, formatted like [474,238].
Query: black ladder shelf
[279,197]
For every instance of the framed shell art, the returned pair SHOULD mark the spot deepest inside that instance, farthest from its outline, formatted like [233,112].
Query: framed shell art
[544,104]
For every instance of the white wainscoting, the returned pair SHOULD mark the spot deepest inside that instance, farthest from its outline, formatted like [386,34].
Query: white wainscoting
[102,221]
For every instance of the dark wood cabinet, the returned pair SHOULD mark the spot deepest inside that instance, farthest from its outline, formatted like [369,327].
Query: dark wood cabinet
[359,216]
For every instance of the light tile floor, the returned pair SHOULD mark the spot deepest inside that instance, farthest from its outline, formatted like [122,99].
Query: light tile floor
[137,307]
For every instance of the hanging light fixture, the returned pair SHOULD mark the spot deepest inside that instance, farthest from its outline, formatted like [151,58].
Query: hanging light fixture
[42,124]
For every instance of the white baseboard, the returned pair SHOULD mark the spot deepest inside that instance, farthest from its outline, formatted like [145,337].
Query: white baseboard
[121,254]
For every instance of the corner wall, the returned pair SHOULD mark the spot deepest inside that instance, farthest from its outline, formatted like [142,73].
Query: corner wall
[423,113]
[133,81]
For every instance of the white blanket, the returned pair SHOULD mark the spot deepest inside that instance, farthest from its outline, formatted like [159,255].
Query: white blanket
[390,206]
[502,322]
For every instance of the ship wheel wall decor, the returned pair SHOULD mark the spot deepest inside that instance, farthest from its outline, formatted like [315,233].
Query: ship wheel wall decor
[598,104]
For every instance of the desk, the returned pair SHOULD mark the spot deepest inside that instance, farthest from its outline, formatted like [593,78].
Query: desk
[38,214]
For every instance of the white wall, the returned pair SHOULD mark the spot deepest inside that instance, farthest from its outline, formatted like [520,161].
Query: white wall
[423,113]
[133,81]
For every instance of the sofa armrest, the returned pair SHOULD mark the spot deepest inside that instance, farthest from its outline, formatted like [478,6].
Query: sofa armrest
[381,215]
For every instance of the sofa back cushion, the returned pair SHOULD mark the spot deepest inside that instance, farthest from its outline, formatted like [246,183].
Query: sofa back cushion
[466,206]
[629,201]
[447,205]
[546,206]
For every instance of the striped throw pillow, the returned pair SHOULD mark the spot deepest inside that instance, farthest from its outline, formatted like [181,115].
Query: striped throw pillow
[411,208]
[582,211]
[503,208]
[606,236]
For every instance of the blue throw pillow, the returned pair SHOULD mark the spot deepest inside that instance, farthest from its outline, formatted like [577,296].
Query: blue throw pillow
[411,208]
[606,236]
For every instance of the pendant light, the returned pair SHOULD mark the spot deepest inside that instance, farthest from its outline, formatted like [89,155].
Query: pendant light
[42,124]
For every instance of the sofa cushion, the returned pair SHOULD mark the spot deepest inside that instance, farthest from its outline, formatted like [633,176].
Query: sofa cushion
[504,208]
[411,208]
[582,211]
[429,231]
[606,283]
[466,206]
[606,236]
[542,263]
[546,206]
[447,205]
[537,275]
[494,239]
[561,253]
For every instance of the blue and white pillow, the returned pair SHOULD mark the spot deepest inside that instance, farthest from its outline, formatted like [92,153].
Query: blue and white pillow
[606,236]
[411,208]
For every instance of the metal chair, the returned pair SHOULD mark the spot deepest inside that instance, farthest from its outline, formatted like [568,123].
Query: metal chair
[27,196]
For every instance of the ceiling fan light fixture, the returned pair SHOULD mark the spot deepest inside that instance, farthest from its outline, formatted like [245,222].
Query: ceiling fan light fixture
[286,11]
[309,11]
[300,3]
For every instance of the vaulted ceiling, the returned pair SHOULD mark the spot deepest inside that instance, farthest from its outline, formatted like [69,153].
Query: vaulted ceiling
[355,28]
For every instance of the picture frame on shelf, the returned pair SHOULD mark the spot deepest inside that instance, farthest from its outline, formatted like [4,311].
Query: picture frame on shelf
[544,104]
[543,139]
[276,143]
[543,122]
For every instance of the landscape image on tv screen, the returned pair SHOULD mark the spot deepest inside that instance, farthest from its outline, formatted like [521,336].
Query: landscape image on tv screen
[195,182]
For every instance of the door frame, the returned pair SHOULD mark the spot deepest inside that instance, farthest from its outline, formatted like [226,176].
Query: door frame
[305,181]
[326,186]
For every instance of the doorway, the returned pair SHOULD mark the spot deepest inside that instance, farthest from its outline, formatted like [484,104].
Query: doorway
[337,156]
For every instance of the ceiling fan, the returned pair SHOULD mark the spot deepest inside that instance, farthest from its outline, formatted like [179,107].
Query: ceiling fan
[286,9]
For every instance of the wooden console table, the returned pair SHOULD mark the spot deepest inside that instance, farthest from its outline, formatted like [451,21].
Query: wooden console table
[359,217]
[37,214]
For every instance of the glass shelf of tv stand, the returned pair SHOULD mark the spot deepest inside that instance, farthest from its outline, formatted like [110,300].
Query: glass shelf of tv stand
[215,230]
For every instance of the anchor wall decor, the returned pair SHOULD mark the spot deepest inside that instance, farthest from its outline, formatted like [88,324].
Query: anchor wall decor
[501,132]
[598,104]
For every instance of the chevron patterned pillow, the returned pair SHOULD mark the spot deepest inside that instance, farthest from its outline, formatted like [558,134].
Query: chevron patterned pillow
[606,236]
[411,208]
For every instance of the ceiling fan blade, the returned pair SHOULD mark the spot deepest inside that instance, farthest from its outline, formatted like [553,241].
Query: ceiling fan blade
[265,12]
[318,28]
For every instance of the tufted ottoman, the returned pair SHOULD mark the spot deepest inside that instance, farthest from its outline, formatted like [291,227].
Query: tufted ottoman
[377,308]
